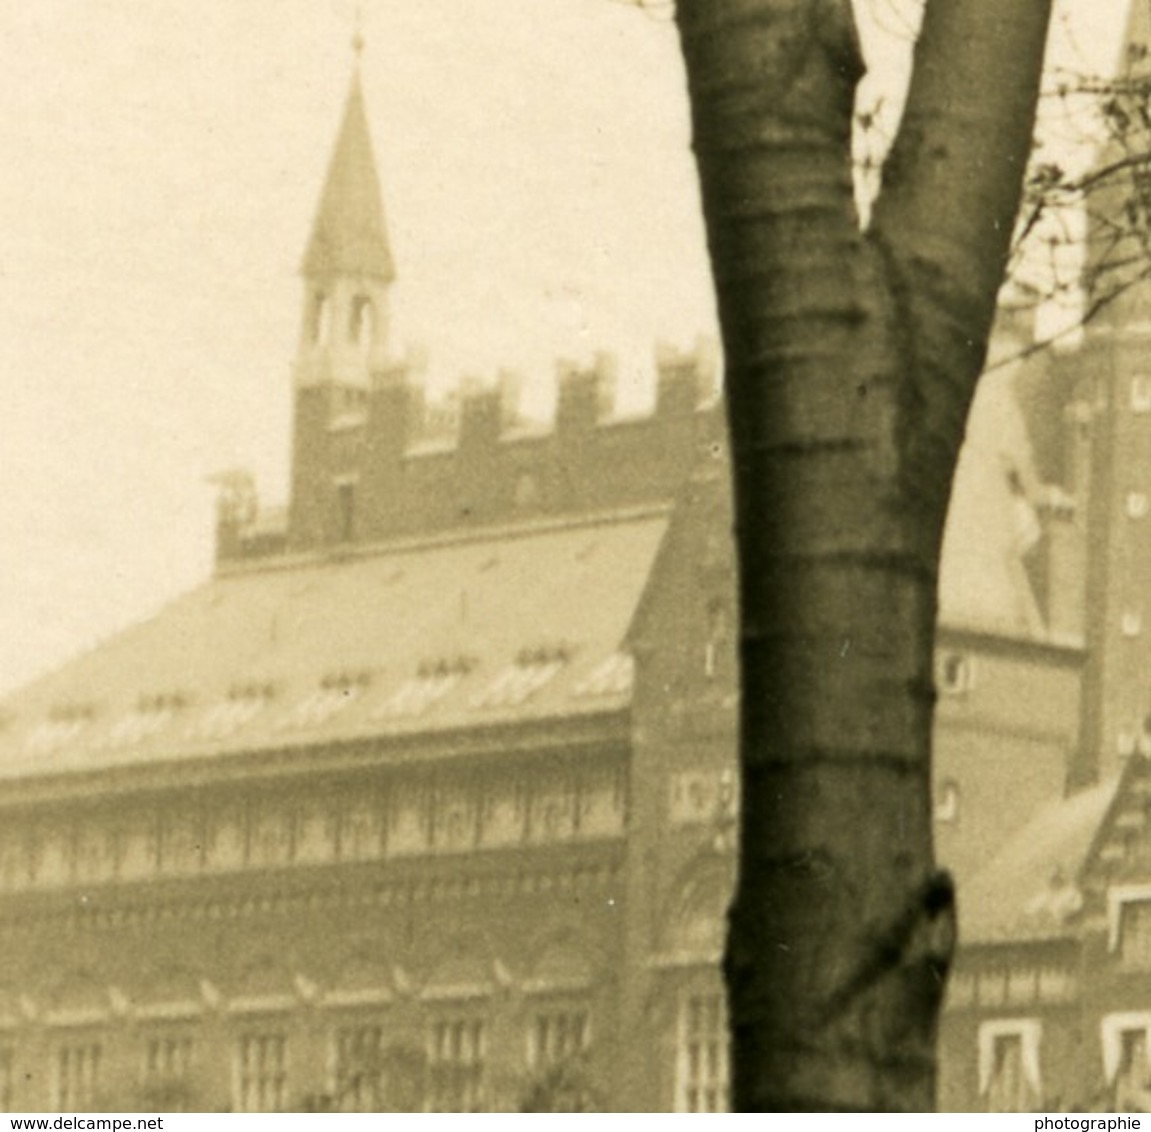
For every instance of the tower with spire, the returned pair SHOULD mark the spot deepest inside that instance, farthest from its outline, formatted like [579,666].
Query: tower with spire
[371,461]
[347,266]
[342,350]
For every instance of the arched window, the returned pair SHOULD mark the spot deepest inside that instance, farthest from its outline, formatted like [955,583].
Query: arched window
[361,322]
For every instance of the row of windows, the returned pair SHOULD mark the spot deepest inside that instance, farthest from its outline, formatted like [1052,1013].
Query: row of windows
[702,796]
[1015,986]
[1010,1064]
[368,826]
[360,326]
[366,1072]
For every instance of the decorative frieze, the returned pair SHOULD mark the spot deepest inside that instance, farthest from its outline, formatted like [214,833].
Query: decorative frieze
[406,818]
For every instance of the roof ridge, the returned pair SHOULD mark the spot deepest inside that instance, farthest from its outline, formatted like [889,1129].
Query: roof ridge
[497,532]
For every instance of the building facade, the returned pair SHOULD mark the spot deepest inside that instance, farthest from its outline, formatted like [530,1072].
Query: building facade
[426,800]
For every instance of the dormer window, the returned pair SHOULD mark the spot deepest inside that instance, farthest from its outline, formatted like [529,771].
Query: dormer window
[361,322]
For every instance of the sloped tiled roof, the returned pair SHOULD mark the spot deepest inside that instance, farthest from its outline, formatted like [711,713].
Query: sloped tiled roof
[1031,889]
[527,624]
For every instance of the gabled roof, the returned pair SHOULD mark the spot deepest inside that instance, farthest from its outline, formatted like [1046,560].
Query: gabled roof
[528,624]
[349,236]
[1032,888]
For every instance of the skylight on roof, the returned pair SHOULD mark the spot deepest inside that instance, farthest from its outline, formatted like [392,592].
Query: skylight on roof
[613,677]
[151,715]
[430,684]
[334,695]
[225,717]
[63,725]
[517,683]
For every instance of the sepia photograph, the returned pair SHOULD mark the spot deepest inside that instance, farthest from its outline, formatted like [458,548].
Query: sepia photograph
[571,558]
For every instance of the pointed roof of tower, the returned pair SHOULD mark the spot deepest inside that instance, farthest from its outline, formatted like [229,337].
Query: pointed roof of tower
[349,235]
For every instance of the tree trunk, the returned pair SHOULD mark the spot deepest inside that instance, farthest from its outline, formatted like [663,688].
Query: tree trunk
[851,361]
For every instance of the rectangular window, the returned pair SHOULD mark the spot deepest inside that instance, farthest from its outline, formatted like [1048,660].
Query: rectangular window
[1009,1065]
[456,1054]
[78,1067]
[358,1069]
[946,807]
[269,829]
[503,816]
[955,674]
[557,1036]
[702,1055]
[1135,936]
[1133,1075]
[167,1066]
[262,1073]
[1007,1090]
[602,803]
[552,811]
[455,818]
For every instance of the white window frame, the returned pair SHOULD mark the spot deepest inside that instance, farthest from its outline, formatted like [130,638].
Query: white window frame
[347,1042]
[549,1021]
[1030,1034]
[255,1078]
[1111,1031]
[683,1080]
[1117,896]
[470,1032]
[78,1067]
[946,807]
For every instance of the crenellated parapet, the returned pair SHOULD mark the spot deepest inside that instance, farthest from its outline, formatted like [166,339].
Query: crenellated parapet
[388,463]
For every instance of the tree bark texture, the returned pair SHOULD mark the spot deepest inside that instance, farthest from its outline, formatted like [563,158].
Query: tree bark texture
[852,357]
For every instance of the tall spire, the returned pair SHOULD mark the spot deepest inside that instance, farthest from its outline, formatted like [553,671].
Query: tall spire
[349,236]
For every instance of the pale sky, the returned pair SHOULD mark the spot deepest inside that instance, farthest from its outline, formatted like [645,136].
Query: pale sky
[162,161]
